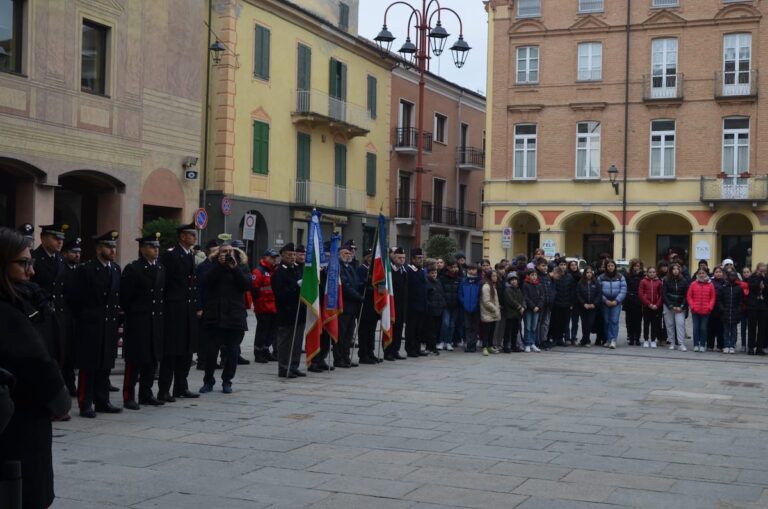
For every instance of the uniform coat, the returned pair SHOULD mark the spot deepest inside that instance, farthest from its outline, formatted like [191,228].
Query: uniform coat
[180,336]
[95,303]
[142,288]
[51,276]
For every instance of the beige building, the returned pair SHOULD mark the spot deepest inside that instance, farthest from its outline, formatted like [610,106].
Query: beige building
[680,120]
[100,113]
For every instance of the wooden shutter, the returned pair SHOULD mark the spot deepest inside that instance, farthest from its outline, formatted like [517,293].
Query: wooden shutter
[343,16]
[372,96]
[304,71]
[333,82]
[260,147]
[341,165]
[302,156]
[343,84]
[370,174]
[261,52]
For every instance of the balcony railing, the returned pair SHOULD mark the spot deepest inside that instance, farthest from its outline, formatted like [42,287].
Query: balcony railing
[736,84]
[405,209]
[448,216]
[326,195]
[470,158]
[734,189]
[318,107]
[406,140]
[663,88]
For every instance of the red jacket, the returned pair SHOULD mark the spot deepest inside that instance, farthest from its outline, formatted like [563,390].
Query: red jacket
[263,296]
[701,297]
[650,292]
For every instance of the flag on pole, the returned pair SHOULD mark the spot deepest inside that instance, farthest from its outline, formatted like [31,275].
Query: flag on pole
[310,288]
[383,298]
[334,302]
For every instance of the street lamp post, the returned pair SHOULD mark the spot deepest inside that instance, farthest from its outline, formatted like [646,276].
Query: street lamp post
[418,53]
[613,175]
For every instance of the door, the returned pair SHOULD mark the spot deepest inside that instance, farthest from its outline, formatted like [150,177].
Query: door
[404,203]
[534,241]
[438,201]
[337,90]
[664,68]
[340,177]
[737,64]
[304,78]
[595,245]
[738,248]
[462,205]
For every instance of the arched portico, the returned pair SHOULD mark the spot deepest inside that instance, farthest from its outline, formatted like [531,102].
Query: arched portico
[588,235]
[525,233]
[17,192]
[663,232]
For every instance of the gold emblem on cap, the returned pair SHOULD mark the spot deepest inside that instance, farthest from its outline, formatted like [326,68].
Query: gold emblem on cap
[157,235]
[64,227]
[114,234]
[225,236]
[78,240]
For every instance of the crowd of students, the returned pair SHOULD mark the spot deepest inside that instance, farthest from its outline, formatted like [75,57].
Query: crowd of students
[529,306]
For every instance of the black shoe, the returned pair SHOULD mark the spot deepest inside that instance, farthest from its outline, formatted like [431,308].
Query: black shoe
[423,353]
[353,364]
[131,405]
[72,390]
[560,342]
[313,368]
[365,360]
[271,357]
[434,352]
[389,357]
[200,366]
[260,358]
[414,355]
[324,366]
[507,349]
[109,408]
[399,357]
[88,413]
[283,373]
[151,401]
[298,372]
[186,393]
[242,361]
[166,397]
[112,388]
[759,351]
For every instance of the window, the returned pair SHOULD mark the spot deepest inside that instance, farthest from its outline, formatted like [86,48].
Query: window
[464,139]
[525,151]
[590,6]
[337,89]
[662,148]
[441,122]
[528,8]
[260,147]
[93,58]
[405,117]
[303,156]
[372,96]
[590,61]
[665,3]
[261,52]
[343,16]
[304,68]
[664,68]
[588,150]
[737,60]
[527,64]
[735,146]
[370,174]
[340,165]
[11,34]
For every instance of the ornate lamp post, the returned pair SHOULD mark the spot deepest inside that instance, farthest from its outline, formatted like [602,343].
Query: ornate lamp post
[613,176]
[428,30]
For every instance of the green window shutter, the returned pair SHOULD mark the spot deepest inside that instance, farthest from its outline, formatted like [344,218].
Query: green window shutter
[261,52]
[302,156]
[343,84]
[304,72]
[370,174]
[343,16]
[260,147]
[332,81]
[341,165]
[372,96]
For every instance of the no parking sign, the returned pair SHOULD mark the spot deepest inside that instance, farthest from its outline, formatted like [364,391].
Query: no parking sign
[201,219]
[249,227]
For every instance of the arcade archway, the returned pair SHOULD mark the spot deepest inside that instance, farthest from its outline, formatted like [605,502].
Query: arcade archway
[17,191]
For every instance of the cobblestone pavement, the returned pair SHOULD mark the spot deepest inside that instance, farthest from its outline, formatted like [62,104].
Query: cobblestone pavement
[571,428]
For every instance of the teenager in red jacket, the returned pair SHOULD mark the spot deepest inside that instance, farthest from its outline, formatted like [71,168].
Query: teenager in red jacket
[650,297]
[264,306]
[701,301]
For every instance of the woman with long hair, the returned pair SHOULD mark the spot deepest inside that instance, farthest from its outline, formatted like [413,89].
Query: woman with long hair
[614,290]
[633,308]
[39,394]
[675,306]
[490,311]
[589,296]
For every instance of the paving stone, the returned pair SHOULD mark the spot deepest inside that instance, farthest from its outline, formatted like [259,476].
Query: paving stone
[530,470]
[196,501]
[620,480]
[348,501]
[729,492]
[287,477]
[707,472]
[540,502]
[465,497]
[583,491]
[368,486]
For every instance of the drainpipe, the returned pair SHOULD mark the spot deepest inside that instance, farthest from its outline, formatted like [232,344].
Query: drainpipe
[204,194]
[626,136]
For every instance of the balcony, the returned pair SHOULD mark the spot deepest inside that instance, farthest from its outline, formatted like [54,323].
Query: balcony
[406,140]
[448,216]
[313,194]
[317,108]
[741,85]
[734,189]
[470,158]
[663,88]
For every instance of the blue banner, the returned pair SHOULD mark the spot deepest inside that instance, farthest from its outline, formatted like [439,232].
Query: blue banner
[332,283]
[314,226]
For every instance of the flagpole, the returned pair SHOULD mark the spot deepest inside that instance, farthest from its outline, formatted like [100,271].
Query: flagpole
[355,336]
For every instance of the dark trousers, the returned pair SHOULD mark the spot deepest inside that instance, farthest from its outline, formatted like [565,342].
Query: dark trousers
[265,332]
[175,368]
[68,373]
[366,334]
[559,324]
[651,324]
[511,333]
[228,340]
[342,348]
[756,333]
[416,331]
[634,318]
[435,324]
[93,388]
[471,329]
[289,346]
[588,317]
[486,333]
[574,319]
[715,333]
[397,337]
[144,374]
[325,348]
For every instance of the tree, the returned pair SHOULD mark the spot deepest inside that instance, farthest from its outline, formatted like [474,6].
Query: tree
[167,229]
[441,246]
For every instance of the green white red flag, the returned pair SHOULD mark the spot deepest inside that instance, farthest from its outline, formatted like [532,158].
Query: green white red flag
[310,288]
[383,297]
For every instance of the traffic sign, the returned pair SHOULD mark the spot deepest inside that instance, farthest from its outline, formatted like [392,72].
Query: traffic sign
[226,206]
[201,218]
[249,227]
[506,238]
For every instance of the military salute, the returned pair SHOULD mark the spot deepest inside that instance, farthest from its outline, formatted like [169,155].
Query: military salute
[142,298]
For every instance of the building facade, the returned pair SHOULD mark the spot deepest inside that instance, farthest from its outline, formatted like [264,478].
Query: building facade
[299,119]
[665,90]
[454,161]
[100,113]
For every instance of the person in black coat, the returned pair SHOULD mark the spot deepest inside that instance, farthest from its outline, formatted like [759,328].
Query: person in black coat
[757,308]
[224,315]
[37,389]
[450,278]
[730,298]
[565,298]
[436,302]
[181,317]
[416,331]
[589,296]
[632,306]
[400,295]
[291,314]
[352,291]
[71,253]
[95,303]
[141,296]
[368,317]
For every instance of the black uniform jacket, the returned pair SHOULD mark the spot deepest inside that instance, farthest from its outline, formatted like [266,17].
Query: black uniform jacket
[180,302]
[141,296]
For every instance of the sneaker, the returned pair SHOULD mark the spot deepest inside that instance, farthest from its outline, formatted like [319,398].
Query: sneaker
[485,352]
[683,348]
[732,350]
[527,349]
[441,346]
[449,347]
[205,388]
[612,345]
[227,389]
[653,344]
[695,348]
[646,344]
[672,346]
[535,348]
[493,350]
[725,350]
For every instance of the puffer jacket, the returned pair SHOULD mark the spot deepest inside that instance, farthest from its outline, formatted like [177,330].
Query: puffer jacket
[489,304]
[435,297]
[701,297]
[548,285]
[513,301]
[729,301]
[651,292]
[717,284]
[534,294]
[589,293]
[675,291]
[565,291]
[613,288]
[756,298]
[469,293]
[633,290]
[450,289]
[261,289]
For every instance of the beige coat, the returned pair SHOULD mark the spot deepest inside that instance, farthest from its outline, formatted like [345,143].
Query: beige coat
[490,311]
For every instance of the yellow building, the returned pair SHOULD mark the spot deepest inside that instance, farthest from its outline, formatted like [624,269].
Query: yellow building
[299,118]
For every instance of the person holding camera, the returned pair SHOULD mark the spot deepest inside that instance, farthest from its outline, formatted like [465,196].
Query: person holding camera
[224,315]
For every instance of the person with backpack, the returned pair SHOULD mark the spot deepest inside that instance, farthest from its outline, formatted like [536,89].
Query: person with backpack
[730,299]
[614,290]
[701,301]
[565,297]
[650,293]
[589,296]
[674,294]
[469,297]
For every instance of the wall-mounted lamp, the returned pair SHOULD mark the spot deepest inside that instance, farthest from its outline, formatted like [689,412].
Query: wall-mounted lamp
[613,175]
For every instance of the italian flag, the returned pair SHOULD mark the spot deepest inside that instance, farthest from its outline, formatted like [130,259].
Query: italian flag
[383,298]
[310,288]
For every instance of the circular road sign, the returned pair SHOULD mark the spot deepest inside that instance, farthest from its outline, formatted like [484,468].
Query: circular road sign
[201,218]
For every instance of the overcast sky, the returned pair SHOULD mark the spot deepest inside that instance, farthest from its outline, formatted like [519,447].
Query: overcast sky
[473,74]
